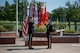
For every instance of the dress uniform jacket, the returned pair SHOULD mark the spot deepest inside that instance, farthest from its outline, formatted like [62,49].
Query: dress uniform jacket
[49,29]
[30,28]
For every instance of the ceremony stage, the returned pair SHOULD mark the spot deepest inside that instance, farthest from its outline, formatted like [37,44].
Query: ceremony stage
[40,38]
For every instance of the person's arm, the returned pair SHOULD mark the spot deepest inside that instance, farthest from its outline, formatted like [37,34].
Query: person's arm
[33,23]
[50,28]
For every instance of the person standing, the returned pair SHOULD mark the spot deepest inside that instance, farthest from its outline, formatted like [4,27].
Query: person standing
[49,30]
[30,31]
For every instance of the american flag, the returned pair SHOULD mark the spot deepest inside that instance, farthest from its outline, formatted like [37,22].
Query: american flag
[25,24]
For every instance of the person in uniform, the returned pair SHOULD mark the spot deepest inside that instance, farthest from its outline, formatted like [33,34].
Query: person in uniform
[30,31]
[49,30]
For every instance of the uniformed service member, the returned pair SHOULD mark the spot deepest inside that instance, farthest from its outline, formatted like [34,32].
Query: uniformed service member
[49,30]
[30,31]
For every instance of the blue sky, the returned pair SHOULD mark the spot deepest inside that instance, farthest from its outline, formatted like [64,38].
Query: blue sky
[51,4]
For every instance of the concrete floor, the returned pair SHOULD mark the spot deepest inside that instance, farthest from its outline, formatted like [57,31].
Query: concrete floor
[56,48]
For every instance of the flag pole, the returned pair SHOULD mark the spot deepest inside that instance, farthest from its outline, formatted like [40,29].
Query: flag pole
[17,18]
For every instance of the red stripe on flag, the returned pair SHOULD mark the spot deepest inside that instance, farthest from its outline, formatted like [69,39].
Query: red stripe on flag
[25,27]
